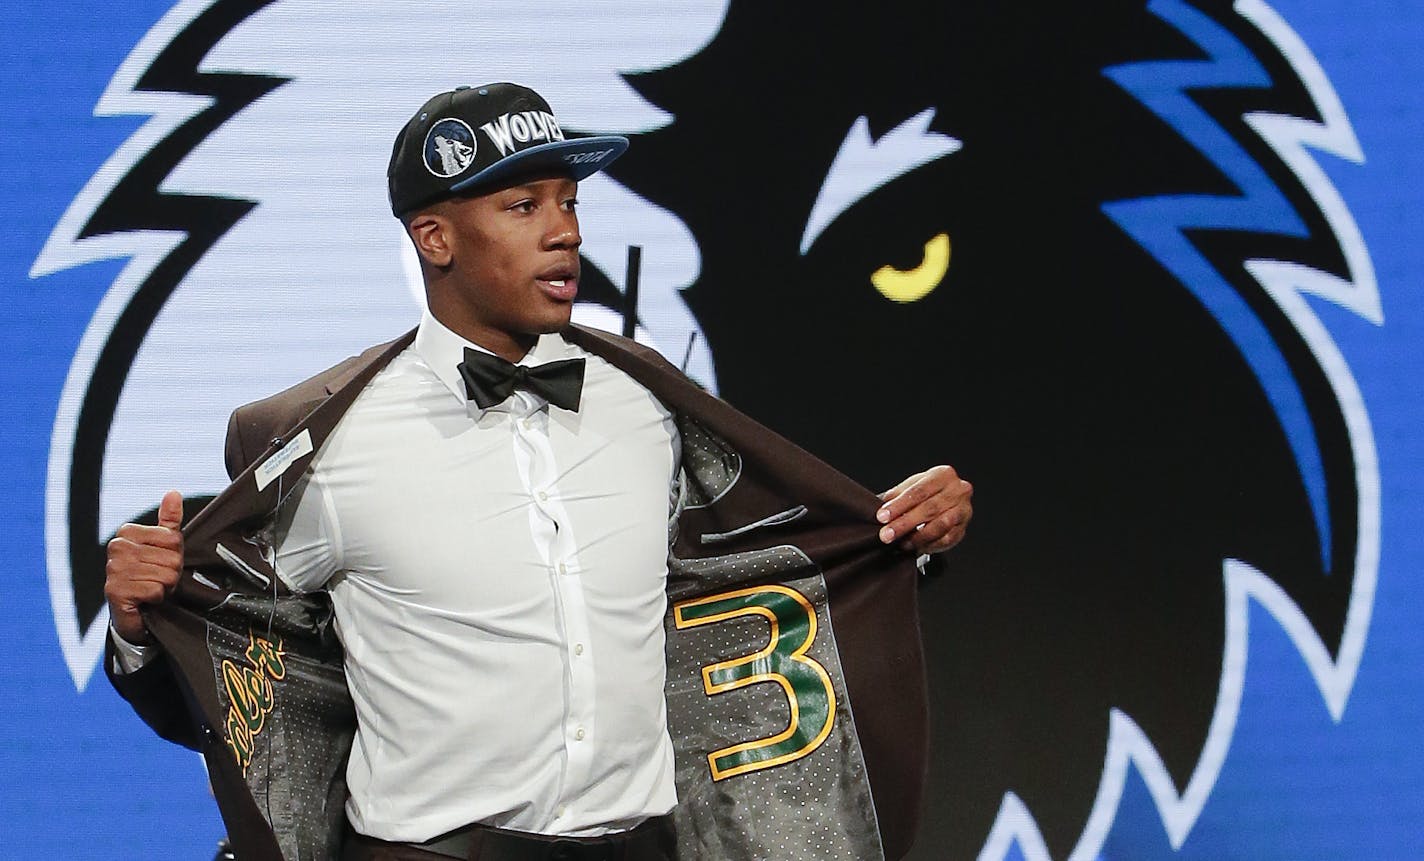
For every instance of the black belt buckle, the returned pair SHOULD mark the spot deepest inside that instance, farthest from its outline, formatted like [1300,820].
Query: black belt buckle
[569,850]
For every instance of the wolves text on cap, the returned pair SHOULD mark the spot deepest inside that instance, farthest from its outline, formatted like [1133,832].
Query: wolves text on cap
[509,132]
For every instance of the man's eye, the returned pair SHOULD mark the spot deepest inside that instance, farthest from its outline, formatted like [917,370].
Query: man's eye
[524,206]
[911,285]
[571,204]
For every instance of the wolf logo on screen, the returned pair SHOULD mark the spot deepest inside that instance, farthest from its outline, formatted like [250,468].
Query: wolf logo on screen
[1080,256]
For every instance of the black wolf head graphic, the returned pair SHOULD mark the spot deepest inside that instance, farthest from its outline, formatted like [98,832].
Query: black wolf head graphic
[1140,416]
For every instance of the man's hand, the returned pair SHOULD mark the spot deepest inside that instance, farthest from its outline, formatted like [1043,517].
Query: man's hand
[927,512]
[144,563]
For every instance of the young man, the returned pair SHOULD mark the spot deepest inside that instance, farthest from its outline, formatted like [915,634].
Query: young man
[498,507]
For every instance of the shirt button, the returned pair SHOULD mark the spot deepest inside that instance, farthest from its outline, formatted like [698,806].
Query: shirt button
[561,812]
[563,569]
[579,734]
[543,497]
[578,648]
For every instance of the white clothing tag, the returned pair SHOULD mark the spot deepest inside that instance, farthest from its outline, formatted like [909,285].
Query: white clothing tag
[283,459]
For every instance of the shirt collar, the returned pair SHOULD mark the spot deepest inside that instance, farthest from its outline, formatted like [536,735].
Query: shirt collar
[442,351]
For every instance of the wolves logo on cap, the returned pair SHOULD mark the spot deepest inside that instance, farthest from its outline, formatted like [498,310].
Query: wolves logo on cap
[450,148]
[1161,431]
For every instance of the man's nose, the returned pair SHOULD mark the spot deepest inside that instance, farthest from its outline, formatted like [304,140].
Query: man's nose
[564,233]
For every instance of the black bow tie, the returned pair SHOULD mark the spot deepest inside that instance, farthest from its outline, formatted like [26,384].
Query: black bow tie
[490,379]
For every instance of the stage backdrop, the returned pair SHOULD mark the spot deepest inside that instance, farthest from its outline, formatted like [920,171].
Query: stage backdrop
[1146,272]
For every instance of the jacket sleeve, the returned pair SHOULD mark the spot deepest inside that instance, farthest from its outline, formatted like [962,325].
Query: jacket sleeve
[153,692]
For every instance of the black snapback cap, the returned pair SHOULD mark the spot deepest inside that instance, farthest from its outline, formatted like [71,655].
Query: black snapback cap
[472,137]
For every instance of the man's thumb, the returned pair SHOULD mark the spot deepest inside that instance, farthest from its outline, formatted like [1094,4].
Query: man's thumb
[170,510]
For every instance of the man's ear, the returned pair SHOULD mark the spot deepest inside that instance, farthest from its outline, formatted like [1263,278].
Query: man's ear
[431,235]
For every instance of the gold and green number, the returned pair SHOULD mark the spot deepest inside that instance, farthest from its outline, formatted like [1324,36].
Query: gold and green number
[783,660]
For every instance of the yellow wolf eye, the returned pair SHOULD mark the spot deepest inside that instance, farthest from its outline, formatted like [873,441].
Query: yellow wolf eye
[915,284]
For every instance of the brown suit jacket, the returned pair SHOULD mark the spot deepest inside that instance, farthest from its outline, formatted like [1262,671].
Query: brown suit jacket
[252,676]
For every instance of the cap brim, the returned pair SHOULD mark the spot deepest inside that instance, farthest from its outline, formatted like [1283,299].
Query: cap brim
[580,157]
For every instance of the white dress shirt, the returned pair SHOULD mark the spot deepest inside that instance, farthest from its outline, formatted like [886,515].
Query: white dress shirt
[499,579]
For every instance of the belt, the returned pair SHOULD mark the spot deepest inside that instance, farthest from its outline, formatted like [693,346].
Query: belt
[653,840]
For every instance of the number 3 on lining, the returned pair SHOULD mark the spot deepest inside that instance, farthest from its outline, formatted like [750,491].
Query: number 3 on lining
[783,660]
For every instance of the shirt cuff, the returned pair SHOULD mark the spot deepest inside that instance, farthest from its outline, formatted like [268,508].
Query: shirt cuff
[130,657]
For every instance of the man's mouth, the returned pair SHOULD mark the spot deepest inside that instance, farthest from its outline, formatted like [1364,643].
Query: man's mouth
[560,289]
[560,284]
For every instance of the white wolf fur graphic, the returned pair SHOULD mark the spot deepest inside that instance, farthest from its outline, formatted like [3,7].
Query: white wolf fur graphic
[453,155]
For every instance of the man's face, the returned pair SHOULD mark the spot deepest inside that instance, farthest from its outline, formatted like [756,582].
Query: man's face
[513,265]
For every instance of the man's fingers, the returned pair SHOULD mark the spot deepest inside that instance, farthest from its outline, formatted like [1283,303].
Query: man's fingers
[915,518]
[900,488]
[929,530]
[125,551]
[915,490]
[154,536]
[121,572]
[130,555]
[927,500]
[940,533]
[170,510]
[924,513]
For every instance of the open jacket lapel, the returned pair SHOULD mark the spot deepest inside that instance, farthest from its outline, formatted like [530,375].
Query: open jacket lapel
[871,589]
[261,669]
[228,582]
[252,497]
